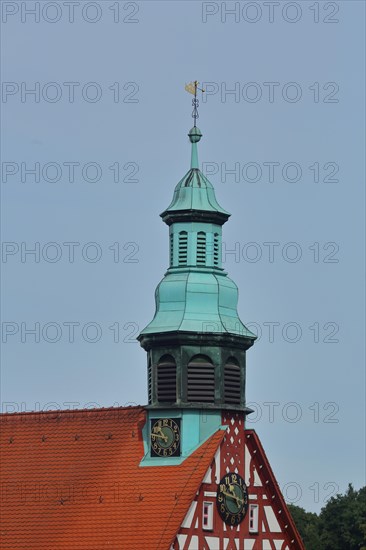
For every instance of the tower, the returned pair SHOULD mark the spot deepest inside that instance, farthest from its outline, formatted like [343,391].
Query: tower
[196,343]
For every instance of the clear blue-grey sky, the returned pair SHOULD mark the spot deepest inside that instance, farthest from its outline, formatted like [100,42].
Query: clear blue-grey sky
[283,125]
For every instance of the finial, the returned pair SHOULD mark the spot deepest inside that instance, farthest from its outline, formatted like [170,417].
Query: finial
[192,88]
[195,133]
[194,137]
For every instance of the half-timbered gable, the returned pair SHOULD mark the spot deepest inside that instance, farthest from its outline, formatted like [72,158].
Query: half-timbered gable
[267,525]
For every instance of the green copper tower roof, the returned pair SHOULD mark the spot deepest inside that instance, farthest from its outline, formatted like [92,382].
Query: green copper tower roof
[198,302]
[196,295]
[194,192]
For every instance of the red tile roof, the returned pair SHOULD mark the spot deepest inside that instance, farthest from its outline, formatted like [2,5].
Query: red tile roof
[71,480]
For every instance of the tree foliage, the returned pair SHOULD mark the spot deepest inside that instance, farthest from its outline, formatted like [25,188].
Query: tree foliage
[341,524]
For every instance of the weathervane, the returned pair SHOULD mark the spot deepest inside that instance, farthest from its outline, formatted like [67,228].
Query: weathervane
[192,88]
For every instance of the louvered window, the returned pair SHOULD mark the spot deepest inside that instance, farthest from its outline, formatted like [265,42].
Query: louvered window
[232,387]
[201,380]
[167,380]
[171,248]
[201,248]
[149,383]
[216,249]
[183,248]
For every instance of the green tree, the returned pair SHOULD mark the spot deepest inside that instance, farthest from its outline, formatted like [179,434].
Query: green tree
[307,524]
[342,521]
[341,524]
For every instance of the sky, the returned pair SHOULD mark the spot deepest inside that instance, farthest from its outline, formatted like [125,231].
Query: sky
[94,139]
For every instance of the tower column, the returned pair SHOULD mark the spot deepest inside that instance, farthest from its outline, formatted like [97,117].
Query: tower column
[196,341]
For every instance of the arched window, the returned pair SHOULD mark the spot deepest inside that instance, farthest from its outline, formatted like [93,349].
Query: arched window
[167,379]
[201,248]
[182,248]
[201,380]
[232,385]
[216,249]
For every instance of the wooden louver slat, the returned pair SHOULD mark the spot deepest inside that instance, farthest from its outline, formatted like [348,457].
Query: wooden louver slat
[216,249]
[201,381]
[167,381]
[183,248]
[201,248]
[232,388]
[149,387]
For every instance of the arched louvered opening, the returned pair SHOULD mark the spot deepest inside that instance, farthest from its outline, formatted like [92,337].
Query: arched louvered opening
[201,380]
[201,248]
[149,381]
[182,248]
[216,249]
[232,386]
[167,379]
[171,248]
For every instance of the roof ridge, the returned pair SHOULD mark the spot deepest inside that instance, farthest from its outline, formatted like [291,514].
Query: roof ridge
[69,411]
